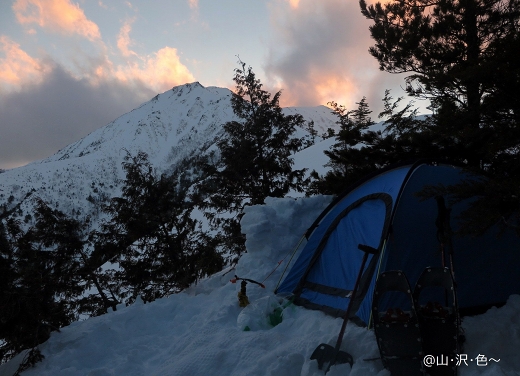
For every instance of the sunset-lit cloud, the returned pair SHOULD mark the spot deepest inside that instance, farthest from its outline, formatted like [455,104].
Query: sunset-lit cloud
[160,71]
[94,60]
[294,3]
[60,16]
[123,39]
[333,87]
[17,67]
[317,87]
[194,7]
[319,53]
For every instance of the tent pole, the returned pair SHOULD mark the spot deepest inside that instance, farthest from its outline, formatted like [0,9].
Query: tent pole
[378,271]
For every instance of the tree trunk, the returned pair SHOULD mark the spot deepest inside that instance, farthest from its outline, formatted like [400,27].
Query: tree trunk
[471,81]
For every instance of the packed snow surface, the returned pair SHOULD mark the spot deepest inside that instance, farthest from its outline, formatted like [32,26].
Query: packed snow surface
[201,331]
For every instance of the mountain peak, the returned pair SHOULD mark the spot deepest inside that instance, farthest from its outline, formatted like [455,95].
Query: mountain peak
[188,87]
[172,126]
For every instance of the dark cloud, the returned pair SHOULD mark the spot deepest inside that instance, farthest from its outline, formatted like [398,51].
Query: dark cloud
[41,119]
[319,53]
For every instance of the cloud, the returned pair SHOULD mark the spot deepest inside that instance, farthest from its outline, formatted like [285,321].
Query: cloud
[56,107]
[56,15]
[160,71]
[17,67]
[44,107]
[123,39]
[194,6]
[47,116]
[319,53]
[294,3]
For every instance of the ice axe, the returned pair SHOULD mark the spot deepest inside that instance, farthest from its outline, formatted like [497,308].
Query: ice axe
[326,353]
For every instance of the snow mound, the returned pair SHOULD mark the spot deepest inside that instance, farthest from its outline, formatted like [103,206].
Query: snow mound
[201,331]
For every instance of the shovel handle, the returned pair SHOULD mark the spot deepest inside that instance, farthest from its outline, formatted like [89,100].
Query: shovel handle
[367,250]
[326,353]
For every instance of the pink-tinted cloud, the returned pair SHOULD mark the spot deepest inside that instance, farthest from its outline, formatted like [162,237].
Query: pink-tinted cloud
[319,53]
[123,39]
[194,6]
[159,72]
[56,15]
[294,3]
[17,67]
[48,115]
[53,100]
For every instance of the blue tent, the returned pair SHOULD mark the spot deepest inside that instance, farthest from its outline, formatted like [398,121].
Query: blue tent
[383,211]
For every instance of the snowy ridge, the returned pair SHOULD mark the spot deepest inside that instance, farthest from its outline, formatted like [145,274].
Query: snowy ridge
[321,115]
[200,331]
[178,118]
[179,123]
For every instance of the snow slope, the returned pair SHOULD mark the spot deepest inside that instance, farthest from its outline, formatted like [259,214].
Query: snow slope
[200,331]
[181,122]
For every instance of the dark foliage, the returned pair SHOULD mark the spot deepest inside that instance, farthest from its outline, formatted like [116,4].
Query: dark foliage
[348,157]
[255,158]
[40,279]
[158,246]
[464,57]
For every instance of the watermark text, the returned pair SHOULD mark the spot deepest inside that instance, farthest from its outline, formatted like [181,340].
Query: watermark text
[459,360]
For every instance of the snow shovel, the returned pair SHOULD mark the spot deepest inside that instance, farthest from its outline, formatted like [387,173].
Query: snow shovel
[325,353]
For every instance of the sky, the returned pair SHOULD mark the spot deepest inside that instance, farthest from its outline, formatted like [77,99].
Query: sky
[70,67]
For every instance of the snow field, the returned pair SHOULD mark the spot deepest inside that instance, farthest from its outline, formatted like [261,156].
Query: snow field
[200,331]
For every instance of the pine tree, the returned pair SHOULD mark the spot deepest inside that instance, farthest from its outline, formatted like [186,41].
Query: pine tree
[255,158]
[463,56]
[453,52]
[159,247]
[42,284]
[256,151]
[357,152]
[362,149]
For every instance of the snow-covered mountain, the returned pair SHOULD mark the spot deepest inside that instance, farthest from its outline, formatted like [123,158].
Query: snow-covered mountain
[179,123]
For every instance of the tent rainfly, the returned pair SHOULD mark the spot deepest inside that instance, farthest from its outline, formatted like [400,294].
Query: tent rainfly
[384,212]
